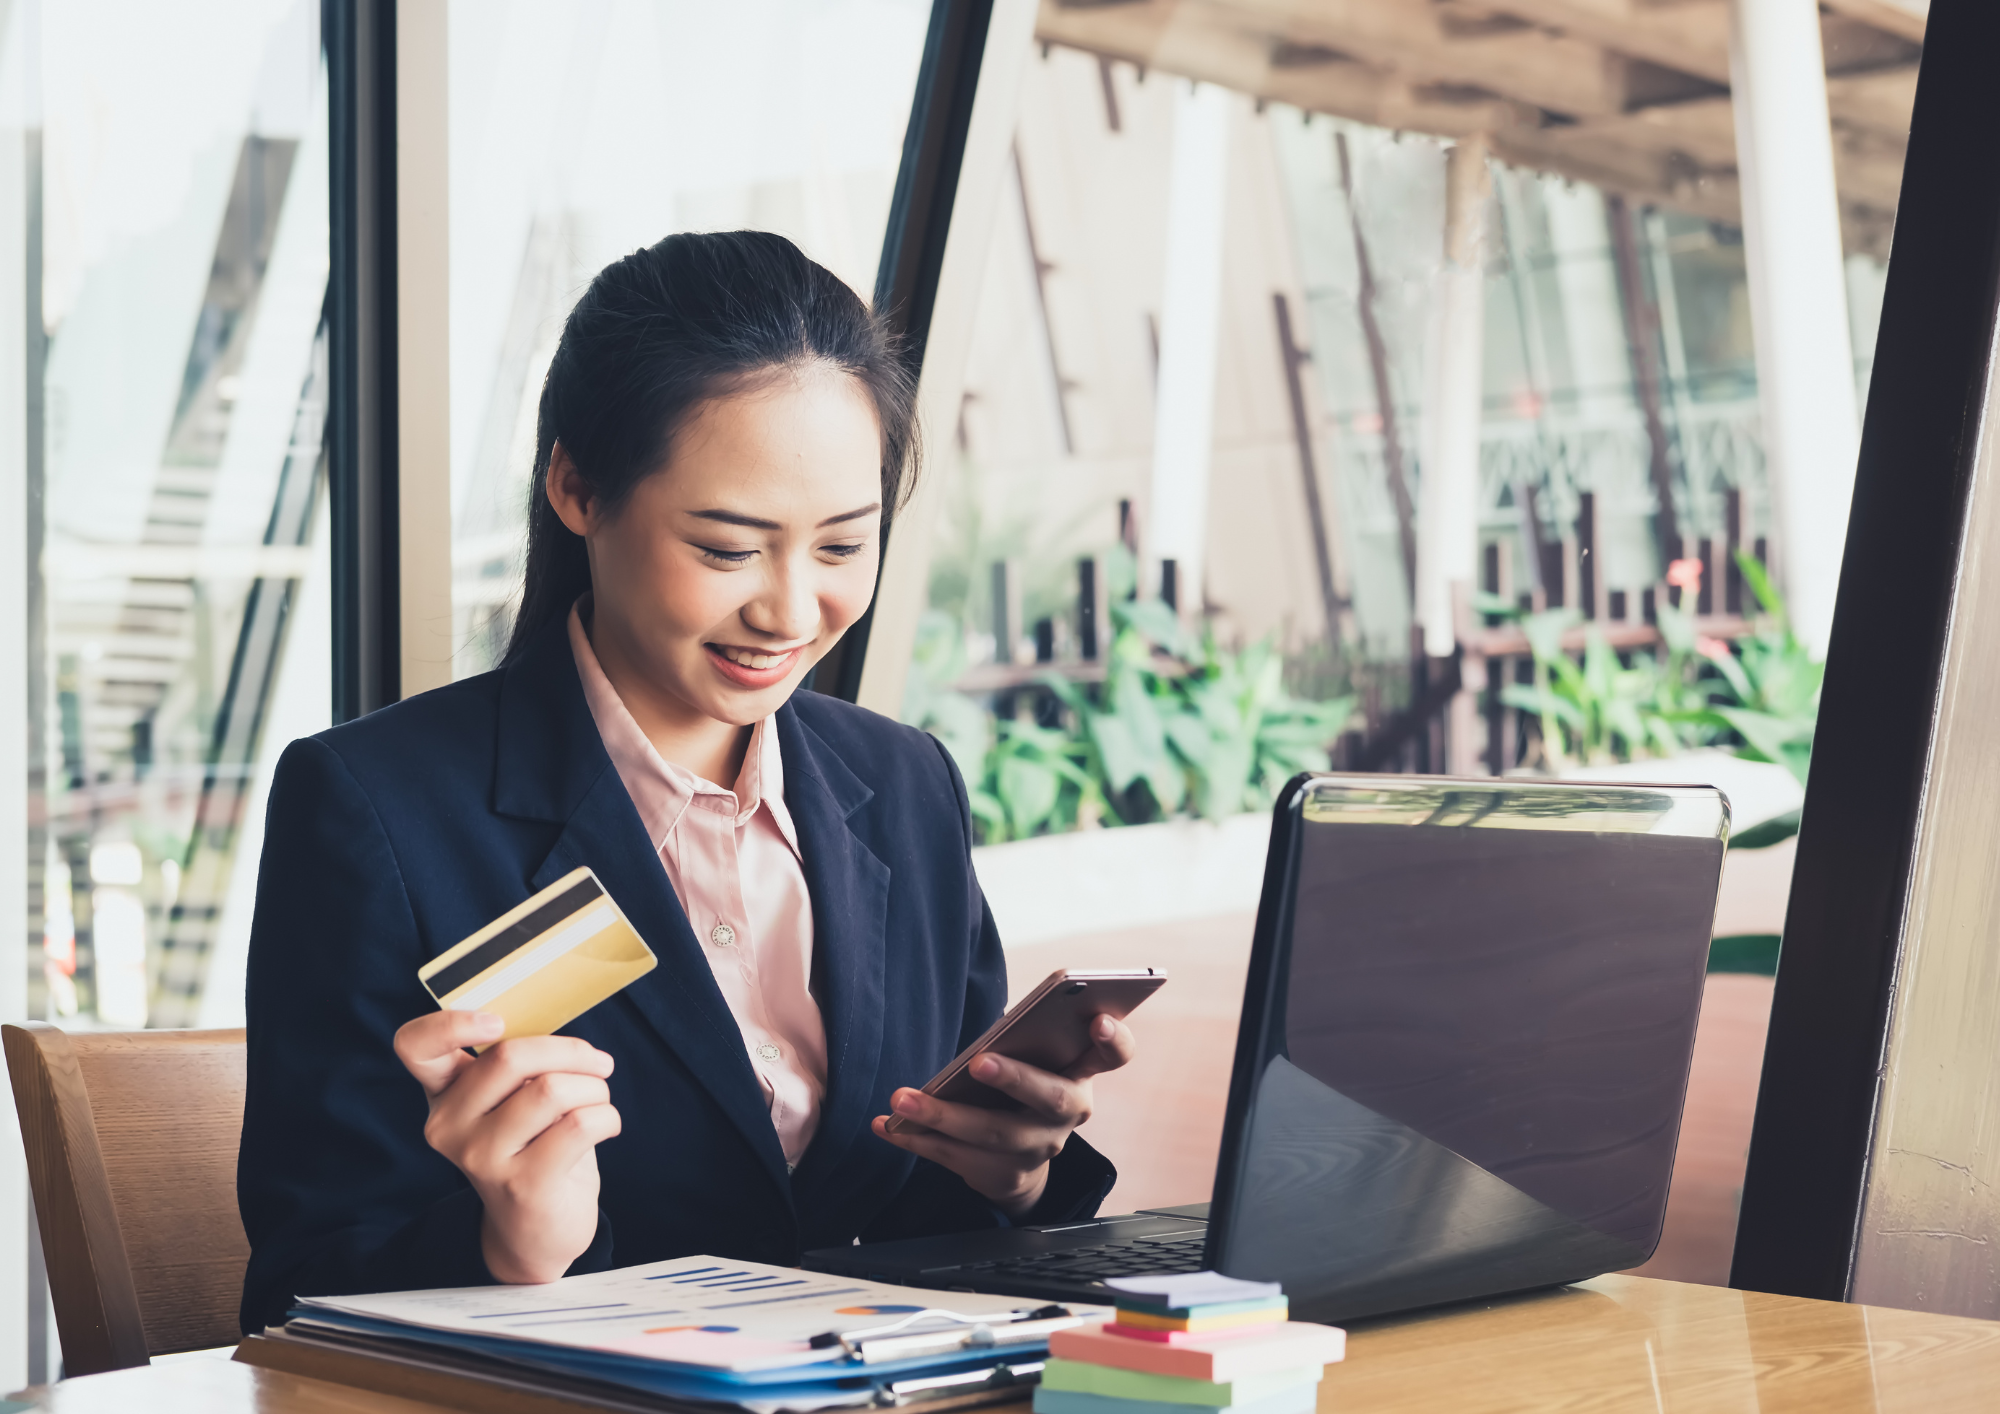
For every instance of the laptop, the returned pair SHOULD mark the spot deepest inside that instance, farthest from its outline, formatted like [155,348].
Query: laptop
[1465,1041]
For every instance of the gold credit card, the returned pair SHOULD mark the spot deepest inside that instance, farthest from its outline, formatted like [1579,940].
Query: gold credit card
[545,963]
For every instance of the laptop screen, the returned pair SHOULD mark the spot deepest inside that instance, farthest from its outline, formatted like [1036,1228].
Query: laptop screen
[1466,1036]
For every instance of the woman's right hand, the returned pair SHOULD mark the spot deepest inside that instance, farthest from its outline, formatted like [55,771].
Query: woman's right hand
[522,1122]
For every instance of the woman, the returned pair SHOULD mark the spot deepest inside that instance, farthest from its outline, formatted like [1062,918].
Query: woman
[723,432]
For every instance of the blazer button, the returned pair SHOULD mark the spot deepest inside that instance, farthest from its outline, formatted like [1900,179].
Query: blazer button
[722,935]
[768,1051]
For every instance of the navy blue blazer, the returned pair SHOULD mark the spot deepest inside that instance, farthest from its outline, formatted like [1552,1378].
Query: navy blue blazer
[391,838]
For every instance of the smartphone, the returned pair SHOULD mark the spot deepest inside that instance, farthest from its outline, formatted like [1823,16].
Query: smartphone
[1048,1028]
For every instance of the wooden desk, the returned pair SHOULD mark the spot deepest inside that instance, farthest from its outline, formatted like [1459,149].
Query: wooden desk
[1617,1343]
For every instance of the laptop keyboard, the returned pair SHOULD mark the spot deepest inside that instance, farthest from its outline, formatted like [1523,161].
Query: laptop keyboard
[1139,1257]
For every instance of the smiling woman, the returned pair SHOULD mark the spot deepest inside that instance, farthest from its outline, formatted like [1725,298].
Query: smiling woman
[724,431]
[720,585]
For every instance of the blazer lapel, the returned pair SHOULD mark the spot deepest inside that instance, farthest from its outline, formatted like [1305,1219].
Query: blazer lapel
[850,896]
[553,766]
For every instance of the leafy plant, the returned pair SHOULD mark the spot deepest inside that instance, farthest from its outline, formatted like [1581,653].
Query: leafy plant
[1178,725]
[1602,709]
[1035,782]
[1768,689]
[1760,698]
[930,704]
[1199,727]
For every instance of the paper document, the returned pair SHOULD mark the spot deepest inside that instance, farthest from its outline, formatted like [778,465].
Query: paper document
[707,1313]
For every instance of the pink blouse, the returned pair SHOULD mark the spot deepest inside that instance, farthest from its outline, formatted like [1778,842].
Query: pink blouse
[732,857]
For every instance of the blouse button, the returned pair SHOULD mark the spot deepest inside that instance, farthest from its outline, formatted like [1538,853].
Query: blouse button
[722,935]
[768,1051]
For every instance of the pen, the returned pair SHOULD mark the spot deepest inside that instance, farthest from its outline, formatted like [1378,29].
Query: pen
[881,1343]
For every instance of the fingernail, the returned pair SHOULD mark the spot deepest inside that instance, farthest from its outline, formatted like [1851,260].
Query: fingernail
[485,1023]
[986,1067]
[907,1104]
[1106,1028]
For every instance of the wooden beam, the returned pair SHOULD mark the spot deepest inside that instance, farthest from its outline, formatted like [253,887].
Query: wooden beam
[1411,42]
[1606,91]
[1903,18]
[1879,99]
[1643,177]
[1551,71]
[1703,130]
[1869,168]
[1691,37]
[1367,95]
[1204,45]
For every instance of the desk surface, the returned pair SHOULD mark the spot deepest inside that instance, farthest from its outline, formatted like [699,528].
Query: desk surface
[1617,1343]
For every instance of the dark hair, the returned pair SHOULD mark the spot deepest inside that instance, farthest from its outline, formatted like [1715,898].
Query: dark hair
[665,330]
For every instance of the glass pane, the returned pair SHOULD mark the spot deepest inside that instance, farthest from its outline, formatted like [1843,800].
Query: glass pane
[181,610]
[580,133]
[1227,365]
[1391,386]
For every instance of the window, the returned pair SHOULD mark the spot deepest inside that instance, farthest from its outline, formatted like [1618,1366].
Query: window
[177,248]
[581,134]
[1338,381]
[1360,356]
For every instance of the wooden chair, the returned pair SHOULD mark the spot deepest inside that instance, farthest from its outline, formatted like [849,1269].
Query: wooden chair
[131,1140]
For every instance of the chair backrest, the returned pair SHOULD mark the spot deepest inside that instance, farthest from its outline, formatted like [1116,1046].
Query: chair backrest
[131,1139]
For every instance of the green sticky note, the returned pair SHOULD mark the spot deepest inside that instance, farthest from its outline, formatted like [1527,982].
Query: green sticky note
[1173,1389]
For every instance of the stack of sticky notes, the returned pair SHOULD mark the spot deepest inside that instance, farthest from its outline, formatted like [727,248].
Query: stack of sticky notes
[1200,1343]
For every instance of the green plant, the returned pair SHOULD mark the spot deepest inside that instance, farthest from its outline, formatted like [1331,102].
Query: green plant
[1759,698]
[1199,727]
[1034,782]
[930,704]
[1602,709]
[1769,687]
[1020,779]
[1178,725]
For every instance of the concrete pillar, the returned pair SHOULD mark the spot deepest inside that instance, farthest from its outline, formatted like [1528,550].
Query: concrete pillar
[1454,397]
[1593,324]
[1798,296]
[1190,323]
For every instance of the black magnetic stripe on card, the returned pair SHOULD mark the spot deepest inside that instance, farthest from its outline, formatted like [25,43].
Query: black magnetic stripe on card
[449,979]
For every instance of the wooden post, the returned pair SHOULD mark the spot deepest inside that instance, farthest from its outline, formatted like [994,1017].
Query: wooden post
[1545,559]
[1463,748]
[1293,357]
[1590,578]
[1093,618]
[1385,393]
[1732,573]
[1642,332]
[1006,611]
[1498,580]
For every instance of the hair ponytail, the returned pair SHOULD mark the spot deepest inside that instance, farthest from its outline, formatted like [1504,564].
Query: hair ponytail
[659,333]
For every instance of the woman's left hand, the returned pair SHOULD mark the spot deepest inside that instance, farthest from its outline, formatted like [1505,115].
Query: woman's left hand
[1003,1155]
